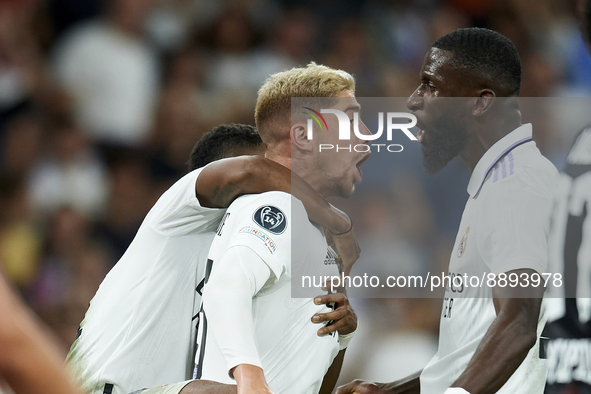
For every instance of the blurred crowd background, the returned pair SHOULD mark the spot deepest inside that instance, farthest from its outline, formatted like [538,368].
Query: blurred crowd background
[101,102]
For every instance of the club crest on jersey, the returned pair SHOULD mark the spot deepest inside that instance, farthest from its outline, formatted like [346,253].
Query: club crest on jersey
[463,243]
[271,219]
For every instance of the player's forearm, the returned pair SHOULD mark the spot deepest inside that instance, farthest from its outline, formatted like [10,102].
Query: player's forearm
[332,375]
[408,385]
[208,387]
[29,363]
[36,369]
[508,339]
[502,349]
[319,211]
[223,181]
[266,175]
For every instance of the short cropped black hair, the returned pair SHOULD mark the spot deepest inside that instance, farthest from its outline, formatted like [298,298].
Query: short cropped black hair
[221,142]
[485,54]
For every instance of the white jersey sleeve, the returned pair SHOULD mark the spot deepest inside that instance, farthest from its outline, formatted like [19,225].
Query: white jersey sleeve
[178,211]
[230,307]
[516,236]
[263,224]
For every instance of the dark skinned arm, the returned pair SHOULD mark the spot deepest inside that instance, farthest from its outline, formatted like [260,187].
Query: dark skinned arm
[502,349]
[223,181]
[407,385]
[332,375]
[345,322]
[507,341]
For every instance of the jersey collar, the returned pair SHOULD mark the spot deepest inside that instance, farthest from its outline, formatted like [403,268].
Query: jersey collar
[491,157]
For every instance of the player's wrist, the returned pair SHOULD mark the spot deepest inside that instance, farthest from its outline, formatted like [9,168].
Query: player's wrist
[344,339]
[456,390]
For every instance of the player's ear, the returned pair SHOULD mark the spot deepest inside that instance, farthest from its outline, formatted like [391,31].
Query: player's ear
[483,102]
[299,137]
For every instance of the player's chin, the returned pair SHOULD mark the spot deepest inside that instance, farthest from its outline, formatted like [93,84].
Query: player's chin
[348,190]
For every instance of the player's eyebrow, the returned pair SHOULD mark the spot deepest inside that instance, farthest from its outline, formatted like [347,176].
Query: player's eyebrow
[427,76]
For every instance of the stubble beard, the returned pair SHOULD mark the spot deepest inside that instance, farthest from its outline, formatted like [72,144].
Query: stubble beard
[440,147]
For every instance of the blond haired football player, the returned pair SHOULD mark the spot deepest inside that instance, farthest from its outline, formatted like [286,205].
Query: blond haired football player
[255,332]
[139,329]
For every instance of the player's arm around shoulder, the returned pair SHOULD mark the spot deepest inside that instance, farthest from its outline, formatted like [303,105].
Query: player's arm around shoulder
[221,182]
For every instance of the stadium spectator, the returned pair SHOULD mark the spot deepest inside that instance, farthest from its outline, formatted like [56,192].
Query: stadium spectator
[112,73]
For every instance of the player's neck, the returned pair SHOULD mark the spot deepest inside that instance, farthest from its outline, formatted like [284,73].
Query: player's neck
[482,137]
[285,161]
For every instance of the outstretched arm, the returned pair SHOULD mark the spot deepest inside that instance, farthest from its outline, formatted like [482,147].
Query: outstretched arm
[407,385]
[508,339]
[28,361]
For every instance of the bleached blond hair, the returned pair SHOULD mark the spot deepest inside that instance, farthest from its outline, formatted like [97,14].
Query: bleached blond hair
[274,99]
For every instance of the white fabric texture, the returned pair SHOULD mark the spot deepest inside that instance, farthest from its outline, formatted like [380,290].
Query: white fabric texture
[138,330]
[504,227]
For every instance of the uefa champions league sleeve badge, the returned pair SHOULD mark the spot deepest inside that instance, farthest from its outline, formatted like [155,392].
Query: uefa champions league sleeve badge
[271,219]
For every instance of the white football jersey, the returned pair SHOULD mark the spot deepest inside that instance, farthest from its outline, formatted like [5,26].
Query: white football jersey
[504,227]
[293,357]
[138,330]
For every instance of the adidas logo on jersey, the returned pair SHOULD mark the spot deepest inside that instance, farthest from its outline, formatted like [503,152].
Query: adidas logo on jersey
[331,256]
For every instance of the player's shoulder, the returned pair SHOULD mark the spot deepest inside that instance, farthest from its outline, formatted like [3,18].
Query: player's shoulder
[524,170]
[271,211]
[183,189]
[538,172]
[278,199]
[178,210]
[529,157]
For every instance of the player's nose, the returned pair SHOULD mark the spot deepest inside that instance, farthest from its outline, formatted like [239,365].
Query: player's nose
[363,130]
[415,101]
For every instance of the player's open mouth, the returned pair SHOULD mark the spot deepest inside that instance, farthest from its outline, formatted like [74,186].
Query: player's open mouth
[420,134]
